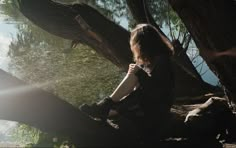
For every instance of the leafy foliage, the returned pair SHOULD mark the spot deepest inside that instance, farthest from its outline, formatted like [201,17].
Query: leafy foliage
[166,17]
[9,9]
[32,137]
[40,57]
[76,75]
[19,134]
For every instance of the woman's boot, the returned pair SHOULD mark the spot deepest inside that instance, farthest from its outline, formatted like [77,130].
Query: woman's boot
[98,110]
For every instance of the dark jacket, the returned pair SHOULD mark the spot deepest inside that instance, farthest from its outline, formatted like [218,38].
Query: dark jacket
[150,104]
[157,90]
[156,98]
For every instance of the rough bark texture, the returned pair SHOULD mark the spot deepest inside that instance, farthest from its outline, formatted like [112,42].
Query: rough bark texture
[141,14]
[27,104]
[23,103]
[187,76]
[212,26]
[79,22]
[47,112]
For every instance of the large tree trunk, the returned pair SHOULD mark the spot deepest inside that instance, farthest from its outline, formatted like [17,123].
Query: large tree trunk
[49,113]
[186,73]
[79,22]
[27,104]
[140,12]
[30,105]
[212,26]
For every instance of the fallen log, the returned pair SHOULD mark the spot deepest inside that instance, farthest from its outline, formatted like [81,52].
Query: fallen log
[30,105]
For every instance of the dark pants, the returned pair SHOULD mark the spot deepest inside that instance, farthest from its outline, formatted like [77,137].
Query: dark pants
[149,118]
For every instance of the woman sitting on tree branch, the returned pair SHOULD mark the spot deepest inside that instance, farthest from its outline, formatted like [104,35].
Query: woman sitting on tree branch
[149,84]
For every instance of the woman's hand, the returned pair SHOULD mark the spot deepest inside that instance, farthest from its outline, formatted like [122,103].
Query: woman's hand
[133,68]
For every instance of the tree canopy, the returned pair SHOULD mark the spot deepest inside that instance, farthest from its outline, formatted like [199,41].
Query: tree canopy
[94,25]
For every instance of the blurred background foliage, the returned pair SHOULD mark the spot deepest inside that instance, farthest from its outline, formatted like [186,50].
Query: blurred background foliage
[77,75]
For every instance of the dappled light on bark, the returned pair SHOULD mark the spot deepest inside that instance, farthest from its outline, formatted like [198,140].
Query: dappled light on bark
[78,69]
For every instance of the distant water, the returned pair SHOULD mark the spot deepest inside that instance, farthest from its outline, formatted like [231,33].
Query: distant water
[8,32]
[206,74]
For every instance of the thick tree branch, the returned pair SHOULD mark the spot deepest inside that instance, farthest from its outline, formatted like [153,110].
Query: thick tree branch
[77,22]
[27,104]
[30,105]
[35,107]
[183,66]
[141,14]
[212,26]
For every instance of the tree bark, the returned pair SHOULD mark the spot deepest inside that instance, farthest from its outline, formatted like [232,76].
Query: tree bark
[47,112]
[79,22]
[212,26]
[30,105]
[141,13]
[186,73]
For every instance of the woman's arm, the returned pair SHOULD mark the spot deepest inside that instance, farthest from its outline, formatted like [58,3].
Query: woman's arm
[127,85]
